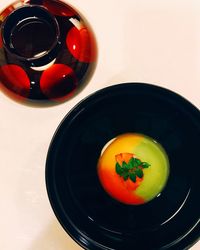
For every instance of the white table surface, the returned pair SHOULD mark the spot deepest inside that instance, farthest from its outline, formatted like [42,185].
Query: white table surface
[154,41]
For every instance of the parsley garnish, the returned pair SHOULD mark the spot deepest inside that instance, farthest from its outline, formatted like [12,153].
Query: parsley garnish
[132,169]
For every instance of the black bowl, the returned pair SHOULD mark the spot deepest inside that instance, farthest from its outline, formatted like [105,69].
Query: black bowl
[86,212]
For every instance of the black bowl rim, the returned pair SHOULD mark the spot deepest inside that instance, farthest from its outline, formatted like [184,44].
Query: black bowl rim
[87,243]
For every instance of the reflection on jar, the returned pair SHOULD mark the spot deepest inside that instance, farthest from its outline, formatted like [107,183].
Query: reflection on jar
[47,52]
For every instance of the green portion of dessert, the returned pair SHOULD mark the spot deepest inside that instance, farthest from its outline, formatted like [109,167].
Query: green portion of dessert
[156,176]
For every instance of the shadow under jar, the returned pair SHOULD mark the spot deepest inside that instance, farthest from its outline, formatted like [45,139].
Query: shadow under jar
[47,52]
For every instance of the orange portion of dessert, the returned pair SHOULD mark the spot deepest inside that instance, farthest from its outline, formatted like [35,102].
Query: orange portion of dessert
[116,186]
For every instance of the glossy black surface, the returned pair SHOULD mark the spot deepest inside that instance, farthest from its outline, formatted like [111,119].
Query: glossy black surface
[47,52]
[30,32]
[87,213]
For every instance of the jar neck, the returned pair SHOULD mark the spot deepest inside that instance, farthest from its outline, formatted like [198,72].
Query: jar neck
[31,35]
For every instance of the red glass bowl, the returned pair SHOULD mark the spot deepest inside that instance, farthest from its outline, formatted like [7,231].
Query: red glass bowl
[47,51]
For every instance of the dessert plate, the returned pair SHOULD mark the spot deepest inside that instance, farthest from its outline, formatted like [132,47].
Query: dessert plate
[47,51]
[93,216]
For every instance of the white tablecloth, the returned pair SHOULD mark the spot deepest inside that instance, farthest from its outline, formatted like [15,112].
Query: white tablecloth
[154,41]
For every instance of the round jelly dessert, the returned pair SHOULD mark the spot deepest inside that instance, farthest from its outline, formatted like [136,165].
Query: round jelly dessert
[47,51]
[133,168]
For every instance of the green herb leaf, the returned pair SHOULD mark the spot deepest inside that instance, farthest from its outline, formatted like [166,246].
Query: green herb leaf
[124,165]
[125,175]
[145,165]
[139,172]
[138,162]
[133,177]
[132,169]
[134,162]
[131,163]
[118,169]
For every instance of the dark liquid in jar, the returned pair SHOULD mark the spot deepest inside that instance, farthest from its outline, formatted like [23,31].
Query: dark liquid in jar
[32,37]
[54,65]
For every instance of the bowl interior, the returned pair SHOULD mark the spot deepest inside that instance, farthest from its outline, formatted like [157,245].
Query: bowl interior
[80,203]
